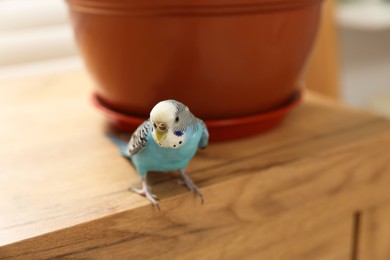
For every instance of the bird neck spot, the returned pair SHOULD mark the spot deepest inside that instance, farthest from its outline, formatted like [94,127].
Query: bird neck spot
[178,133]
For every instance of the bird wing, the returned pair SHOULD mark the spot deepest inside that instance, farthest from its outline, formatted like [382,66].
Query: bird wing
[139,138]
[204,140]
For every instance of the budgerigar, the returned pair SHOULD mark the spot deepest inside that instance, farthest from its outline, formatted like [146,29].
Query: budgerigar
[167,141]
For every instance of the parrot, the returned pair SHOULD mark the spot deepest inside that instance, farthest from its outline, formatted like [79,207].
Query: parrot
[165,142]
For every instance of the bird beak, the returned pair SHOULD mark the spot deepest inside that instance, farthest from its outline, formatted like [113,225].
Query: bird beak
[160,135]
[161,131]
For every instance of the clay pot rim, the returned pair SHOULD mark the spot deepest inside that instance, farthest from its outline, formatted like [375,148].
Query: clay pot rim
[188,8]
[273,114]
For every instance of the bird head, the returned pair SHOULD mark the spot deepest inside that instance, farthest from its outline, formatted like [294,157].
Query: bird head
[169,116]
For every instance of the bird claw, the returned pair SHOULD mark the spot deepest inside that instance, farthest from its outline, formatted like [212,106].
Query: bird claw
[196,191]
[144,191]
[191,186]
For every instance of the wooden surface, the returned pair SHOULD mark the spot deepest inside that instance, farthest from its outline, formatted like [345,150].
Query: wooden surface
[323,70]
[374,239]
[291,193]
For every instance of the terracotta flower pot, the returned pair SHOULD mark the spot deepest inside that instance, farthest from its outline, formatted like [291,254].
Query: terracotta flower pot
[223,58]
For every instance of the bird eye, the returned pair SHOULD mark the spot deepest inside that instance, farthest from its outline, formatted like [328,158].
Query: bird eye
[177,119]
[154,124]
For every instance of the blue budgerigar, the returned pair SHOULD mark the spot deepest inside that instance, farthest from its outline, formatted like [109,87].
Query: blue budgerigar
[167,141]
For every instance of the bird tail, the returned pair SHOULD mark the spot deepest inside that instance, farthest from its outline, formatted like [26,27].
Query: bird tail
[122,145]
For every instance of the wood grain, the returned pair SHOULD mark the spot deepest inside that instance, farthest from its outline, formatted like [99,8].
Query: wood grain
[374,236]
[232,223]
[64,186]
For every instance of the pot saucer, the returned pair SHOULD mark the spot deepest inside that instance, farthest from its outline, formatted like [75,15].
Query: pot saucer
[220,130]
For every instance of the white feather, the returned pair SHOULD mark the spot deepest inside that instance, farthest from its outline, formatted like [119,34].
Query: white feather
[165,112]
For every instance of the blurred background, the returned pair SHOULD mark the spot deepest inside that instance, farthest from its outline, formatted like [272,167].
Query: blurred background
[36,37]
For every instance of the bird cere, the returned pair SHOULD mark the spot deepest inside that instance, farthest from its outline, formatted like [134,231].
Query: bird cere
[167,141]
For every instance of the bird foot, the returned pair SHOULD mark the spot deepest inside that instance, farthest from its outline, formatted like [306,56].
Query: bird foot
[144,191]
[191,186]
